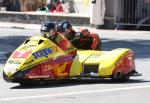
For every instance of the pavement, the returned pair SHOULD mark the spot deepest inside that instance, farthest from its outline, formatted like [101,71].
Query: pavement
[19,25]
[26,25]
[103,33]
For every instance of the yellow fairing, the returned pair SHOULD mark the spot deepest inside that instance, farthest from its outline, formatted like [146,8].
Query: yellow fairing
[108,61]
[77,66]
[35,47]
[56,51]
[105,59]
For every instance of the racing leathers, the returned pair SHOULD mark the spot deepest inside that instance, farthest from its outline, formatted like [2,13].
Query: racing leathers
[79,40]
[61,41]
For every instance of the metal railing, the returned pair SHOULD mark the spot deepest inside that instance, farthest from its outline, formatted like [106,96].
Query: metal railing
[132,12]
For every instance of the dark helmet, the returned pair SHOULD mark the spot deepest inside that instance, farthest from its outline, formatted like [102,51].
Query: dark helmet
[47,28]
[61,27]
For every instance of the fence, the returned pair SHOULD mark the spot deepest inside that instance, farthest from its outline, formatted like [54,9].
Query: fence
[132,12]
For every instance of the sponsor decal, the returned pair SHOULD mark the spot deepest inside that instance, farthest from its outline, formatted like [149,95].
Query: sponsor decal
[39,76]
[21,54]
[48,67]
[10,69]
[57,70]
[35,40]
[44,52]
[61,70]
[27,47]
[14,62]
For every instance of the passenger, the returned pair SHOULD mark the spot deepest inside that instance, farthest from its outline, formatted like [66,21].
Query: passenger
[84,41]
[81,40]
[66,29]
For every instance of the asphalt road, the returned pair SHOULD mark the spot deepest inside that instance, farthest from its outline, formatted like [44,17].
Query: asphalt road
[137,90]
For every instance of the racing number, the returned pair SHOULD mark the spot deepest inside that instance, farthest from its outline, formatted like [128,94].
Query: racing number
[20,54]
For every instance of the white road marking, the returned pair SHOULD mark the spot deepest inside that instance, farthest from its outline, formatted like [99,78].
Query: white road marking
[75,93]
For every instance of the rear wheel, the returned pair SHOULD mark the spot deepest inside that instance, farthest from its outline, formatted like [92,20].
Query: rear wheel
[119,76]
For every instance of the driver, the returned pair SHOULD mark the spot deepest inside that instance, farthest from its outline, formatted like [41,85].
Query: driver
[48,30]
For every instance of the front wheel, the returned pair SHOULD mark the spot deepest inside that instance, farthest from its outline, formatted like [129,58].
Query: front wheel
[26,84]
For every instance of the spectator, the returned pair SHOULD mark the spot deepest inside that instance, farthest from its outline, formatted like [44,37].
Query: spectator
[43,7]
[54,6]
[16,5]
[68,6]
[29,5]
[51,5]
[11,5]
[8,5]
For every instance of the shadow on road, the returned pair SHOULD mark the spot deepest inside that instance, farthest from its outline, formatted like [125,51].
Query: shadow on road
[68,83]
[8,45]
[141,48]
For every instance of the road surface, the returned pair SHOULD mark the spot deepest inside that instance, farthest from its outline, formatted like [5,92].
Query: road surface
[137,90]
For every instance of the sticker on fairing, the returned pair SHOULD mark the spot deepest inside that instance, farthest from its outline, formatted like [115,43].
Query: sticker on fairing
[21,54]
[43,53]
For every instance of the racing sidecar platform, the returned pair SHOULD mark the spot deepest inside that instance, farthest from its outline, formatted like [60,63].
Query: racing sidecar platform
[40,59]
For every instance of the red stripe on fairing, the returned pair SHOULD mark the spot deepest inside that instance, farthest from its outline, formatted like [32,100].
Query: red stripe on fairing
[65,58]
[60,67]
[125,64]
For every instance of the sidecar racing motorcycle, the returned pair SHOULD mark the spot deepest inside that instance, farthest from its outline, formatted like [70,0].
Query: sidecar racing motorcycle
[39,59]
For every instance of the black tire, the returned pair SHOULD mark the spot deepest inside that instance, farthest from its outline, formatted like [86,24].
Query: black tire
[121,77]
[26,84]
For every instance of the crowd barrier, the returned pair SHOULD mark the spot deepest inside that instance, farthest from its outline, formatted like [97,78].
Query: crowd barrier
[132,12]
